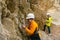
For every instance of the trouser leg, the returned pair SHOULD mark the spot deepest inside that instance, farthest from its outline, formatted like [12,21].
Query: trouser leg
[49,30]
[32,38]
[44,27]
[35,37]
[38,38]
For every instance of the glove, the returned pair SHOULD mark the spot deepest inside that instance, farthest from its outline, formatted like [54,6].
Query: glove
[23,26]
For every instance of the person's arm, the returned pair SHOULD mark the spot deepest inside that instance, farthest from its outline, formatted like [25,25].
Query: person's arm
[31,30]
[49,20]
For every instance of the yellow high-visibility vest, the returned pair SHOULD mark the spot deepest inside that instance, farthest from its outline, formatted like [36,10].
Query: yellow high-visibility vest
[48,21]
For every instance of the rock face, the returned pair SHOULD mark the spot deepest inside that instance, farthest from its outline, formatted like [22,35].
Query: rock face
[13,14]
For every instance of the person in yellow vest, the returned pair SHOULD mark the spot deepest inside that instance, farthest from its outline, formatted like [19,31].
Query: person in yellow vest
[48,23]
[32,28]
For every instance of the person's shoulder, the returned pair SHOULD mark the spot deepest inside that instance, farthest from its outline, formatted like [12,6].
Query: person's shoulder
[35,23]
[50,17]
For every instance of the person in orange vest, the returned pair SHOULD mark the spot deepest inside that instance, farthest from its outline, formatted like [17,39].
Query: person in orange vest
[48,23]
[32,28]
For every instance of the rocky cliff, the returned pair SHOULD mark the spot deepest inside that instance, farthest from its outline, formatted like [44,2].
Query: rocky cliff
[12,13]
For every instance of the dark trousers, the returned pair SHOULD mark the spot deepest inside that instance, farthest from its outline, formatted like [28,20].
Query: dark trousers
[48,29]
[34,37]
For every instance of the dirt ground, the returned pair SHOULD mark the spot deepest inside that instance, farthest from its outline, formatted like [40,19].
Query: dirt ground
[55,31]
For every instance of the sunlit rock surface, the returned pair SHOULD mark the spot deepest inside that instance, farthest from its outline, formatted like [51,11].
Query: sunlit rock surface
[12,12]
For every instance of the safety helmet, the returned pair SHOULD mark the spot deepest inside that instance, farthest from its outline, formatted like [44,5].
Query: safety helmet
[30,15]
[48,13]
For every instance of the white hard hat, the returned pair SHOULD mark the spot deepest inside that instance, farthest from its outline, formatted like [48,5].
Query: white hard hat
[30,15]
[48,13]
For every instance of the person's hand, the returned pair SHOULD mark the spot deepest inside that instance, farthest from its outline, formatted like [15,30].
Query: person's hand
[23,26]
